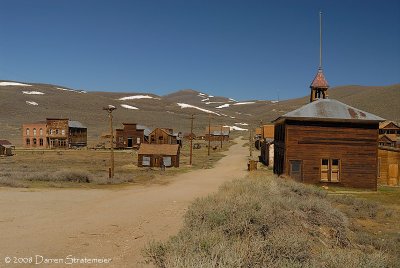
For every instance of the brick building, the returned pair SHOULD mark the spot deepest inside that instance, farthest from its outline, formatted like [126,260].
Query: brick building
[54,133]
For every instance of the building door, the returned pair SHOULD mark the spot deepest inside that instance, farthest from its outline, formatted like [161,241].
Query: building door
[130,142]
[393,174]
[156,161]
[296,170]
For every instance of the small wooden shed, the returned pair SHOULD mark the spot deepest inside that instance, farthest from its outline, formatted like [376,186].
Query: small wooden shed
[388,166]
[5,148]
[158,155]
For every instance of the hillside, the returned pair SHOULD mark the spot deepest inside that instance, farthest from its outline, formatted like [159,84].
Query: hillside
[29,102]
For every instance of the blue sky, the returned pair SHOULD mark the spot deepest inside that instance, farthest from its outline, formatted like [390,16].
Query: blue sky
[240,49]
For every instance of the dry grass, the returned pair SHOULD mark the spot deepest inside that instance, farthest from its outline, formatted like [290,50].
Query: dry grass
[78,168]
[263,221]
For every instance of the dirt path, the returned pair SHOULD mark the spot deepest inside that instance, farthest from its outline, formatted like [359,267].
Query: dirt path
[116,224]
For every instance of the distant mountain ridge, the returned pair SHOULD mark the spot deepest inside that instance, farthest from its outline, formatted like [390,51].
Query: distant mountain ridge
[22,102]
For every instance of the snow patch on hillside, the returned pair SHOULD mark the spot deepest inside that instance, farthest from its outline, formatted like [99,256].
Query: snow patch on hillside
[223,106]
[129,107]
[136,97]
[201,94]
[206,99]
[245,102]
[236,128]
[214,102]
[184,105]
[71,90]
[232,100]
[242,124]
[32,103]
[14,84]
[32,92]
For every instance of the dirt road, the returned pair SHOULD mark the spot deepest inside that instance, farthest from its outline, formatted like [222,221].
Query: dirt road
[116,224]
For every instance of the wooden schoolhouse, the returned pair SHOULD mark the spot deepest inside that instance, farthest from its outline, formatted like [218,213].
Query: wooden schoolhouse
[327,141]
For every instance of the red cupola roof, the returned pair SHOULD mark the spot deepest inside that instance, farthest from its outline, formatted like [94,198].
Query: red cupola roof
[319,80]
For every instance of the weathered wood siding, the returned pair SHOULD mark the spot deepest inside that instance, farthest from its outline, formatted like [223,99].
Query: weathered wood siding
[155,160]
[354,144]
[389,158]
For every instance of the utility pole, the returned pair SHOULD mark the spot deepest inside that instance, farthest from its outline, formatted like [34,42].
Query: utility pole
[109,110]
[191,139]
[250,143]
[222,136]
[209,133]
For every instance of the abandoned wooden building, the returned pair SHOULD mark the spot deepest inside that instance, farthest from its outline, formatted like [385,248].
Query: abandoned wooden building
[158,155]
[389,166]
[327,141]
[6,148]
[267,145]
[389,134]
[163,136]
[217,133]
[131,136]
[330,142]
[54,133]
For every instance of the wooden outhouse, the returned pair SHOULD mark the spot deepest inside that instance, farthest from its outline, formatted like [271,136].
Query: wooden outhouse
[158,155]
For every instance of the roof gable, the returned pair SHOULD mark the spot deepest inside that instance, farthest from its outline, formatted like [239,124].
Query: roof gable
[388,125]
[330,110]
[159,149]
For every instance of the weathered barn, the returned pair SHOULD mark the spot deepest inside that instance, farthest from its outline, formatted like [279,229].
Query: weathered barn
[77,134]
[131,136]
[157,155]
[217,133]
[327,141]
[54,133]
[389,166]
[6,148]
[162,136]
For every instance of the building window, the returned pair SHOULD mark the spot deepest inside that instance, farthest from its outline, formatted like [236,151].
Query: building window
[34,141]
[41,132]
[146,161]
[324,169]
[56,131]
[41,142]
[51,131]
[63,132]
[28,141]
[27,132]
[34,132]
[330,170]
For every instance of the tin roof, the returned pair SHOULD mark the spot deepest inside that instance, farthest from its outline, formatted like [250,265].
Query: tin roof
[330,110]
[5,142]
[75,124]
[147,130]
[159,149]
[319,80]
